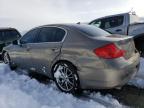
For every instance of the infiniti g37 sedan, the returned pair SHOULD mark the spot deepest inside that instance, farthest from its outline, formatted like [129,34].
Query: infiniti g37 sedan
[76,56]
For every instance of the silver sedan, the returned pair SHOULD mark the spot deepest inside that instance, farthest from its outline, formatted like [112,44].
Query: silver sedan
[75,56]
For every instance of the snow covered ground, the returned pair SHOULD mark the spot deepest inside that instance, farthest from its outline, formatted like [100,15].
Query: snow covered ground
[20,91]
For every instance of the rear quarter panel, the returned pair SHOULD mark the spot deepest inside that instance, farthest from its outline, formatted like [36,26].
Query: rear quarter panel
[78,49]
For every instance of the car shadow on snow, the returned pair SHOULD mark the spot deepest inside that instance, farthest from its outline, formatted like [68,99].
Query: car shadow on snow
[39,77]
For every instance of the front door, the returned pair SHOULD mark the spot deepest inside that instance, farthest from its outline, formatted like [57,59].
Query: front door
[21,54]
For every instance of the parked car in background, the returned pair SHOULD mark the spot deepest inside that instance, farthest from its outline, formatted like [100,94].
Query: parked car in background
[76,56]
[8,36]
[124,24]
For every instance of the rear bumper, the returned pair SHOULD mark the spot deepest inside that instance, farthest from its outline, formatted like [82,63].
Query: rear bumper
[111,76]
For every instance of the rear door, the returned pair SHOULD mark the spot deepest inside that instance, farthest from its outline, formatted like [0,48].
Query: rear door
[47,48]
[114,24]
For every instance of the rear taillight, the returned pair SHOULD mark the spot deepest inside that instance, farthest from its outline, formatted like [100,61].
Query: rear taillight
[109,51]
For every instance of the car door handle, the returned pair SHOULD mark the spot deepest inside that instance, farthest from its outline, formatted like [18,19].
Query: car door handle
[55,49]
[28,48]
[118,30]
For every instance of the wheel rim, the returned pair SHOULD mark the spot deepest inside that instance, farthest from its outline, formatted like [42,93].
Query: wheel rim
[64,78]
[6,58]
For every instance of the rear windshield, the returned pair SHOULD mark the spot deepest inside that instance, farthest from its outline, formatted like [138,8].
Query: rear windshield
[91,30]
[10,35]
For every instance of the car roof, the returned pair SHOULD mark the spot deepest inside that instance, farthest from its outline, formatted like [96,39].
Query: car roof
[65,25]
[113,15]
[57,25]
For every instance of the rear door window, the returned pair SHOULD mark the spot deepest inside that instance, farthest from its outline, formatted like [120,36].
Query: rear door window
[110,22]
[60,33]
[114,21]
[51,34]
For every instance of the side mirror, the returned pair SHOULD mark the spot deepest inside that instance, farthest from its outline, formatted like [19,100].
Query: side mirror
[22,42]
[15,42]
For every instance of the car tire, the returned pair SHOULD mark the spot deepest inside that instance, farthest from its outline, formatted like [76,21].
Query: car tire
[7,60]
[66,78]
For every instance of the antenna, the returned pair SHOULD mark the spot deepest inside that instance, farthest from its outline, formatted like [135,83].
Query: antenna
[132,11]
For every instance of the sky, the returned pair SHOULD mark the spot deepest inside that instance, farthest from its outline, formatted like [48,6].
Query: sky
[25,14]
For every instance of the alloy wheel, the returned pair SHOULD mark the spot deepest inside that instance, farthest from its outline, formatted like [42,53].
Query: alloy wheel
[6,58]
[65,78]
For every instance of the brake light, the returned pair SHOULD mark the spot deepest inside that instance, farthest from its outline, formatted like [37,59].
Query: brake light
[109,51]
